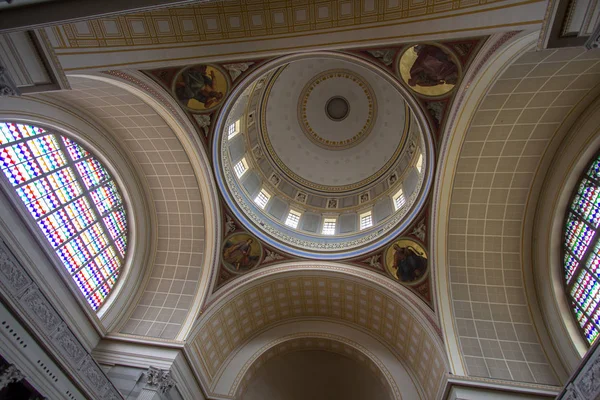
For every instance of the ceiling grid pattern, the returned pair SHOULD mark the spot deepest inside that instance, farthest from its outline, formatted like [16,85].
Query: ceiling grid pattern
[169,294]
[245,19]
[316,297]
[499,158]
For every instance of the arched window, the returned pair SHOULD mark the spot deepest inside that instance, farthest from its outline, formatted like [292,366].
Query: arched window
[582,252]
[74,201]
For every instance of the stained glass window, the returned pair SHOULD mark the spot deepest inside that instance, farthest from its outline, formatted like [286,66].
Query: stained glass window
[581,252]
[74,202]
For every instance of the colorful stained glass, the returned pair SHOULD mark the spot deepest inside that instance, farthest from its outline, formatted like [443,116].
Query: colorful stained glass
[53,175]
[586,202]
[92,172]
[106,197]
[582,253]
[116,222]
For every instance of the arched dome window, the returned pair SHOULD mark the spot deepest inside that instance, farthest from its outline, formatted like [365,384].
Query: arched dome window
[74,201]
[582,252]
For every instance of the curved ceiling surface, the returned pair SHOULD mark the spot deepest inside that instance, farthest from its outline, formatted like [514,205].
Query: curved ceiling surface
[323,155]
[329,123]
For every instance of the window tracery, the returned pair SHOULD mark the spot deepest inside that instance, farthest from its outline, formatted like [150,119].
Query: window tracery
[73,200]
[581,253]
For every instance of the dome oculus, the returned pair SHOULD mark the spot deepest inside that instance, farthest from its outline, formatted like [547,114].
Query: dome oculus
[337,108]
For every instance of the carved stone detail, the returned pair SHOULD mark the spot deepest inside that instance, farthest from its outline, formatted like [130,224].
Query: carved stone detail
[38,306]
[386,56]
[588,382]
[69,345]
[229,225]
[13,277]
[203,121]
[374,262]
[159,379]
[272,256]
[94,375]
[9,375]
[420,230]
[7,87]
[235,70]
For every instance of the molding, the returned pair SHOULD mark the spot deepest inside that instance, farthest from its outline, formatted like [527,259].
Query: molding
[7,85]
[518,389]
[41,371]
[24,295]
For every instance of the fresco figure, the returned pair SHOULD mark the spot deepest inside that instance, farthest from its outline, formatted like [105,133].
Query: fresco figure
[409,264]
[432,67]
[241,252]
[199,84]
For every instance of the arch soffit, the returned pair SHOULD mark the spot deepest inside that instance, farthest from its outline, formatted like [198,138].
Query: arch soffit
[544,226]
[316,340]
[196,202]
[280,294]
[49,113]
[542,362]
[493,58]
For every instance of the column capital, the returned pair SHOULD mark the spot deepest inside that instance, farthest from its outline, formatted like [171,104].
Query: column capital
[159,379]
[9,375]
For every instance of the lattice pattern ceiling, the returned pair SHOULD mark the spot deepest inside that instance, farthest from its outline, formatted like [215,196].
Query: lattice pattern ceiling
[166,168]
[322,297]
[500,155]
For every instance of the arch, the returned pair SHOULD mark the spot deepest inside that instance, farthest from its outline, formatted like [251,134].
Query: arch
[344,297]
[161,142]
[75,202]
[564,168]
[44,112]
[316,340]
[488,305]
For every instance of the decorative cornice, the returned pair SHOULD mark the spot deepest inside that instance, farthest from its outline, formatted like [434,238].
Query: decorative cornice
[34,308]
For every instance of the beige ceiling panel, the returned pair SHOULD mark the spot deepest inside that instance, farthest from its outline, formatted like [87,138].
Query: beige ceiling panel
[524,109]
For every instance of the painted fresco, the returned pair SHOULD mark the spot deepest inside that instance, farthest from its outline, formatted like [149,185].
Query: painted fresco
[201,87]
[406,261]
[430,70]
[241,252]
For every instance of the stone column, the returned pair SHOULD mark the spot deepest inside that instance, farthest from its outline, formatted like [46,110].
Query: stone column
[9,375]
[158,384]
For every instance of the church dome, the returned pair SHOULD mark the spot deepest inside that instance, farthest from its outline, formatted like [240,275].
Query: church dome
[323,155]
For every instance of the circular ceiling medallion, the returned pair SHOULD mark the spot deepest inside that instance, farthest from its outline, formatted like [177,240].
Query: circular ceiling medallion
[345,96]
[201,88]
[430,70]
[337,108]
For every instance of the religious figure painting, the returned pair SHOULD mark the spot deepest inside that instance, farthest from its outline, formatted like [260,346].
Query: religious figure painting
[201,87]
[429,69]
[241,252]
[406,261]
